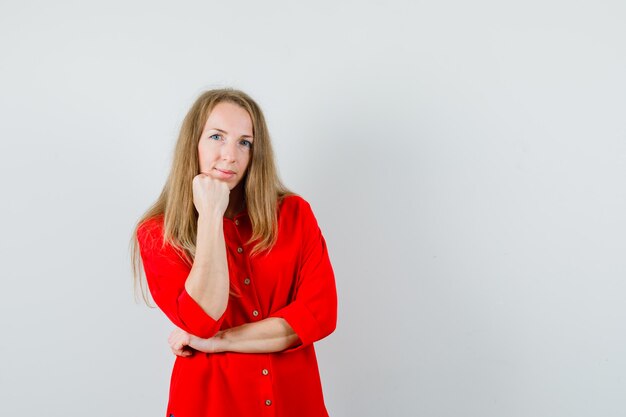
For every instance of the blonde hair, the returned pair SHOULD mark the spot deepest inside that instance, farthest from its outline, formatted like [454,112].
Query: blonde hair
[263,188]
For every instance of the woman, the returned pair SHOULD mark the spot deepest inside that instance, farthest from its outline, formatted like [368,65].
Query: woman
[239,265]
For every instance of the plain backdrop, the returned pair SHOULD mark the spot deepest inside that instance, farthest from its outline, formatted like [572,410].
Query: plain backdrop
[466,162]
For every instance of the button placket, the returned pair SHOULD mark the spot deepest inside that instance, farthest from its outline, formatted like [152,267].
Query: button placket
[266,387]
[242,233]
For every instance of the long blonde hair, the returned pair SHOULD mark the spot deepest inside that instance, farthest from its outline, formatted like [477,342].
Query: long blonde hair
[263,188]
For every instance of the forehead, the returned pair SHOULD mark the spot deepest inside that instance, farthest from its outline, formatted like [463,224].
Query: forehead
[229,117]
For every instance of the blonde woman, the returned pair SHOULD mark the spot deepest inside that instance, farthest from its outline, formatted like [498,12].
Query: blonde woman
[240,267]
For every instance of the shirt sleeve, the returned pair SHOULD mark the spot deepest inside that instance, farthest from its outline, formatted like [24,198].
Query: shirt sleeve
[166,273]
[313,312]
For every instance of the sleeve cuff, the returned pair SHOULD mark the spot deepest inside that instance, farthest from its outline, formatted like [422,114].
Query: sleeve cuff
[194,317]
[301,321]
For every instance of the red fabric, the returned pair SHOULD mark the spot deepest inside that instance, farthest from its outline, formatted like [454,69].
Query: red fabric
[294,281]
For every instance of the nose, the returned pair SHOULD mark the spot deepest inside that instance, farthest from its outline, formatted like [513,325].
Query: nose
[229,151]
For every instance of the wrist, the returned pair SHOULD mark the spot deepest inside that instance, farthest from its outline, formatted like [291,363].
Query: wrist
[209,218]
[202,345]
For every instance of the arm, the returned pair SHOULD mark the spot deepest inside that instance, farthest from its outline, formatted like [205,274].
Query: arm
[265,336]
[208,282]
[194,300]
[312,314]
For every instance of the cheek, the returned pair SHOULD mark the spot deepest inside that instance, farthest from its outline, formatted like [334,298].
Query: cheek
[204,157]
[201,161]
[246,160]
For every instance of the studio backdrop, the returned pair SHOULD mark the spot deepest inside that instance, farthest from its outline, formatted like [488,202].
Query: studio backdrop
[466,162]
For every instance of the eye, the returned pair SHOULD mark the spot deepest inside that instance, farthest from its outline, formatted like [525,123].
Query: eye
[215,136]
[246,143]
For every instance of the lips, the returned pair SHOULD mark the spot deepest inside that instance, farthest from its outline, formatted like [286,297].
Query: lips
[224,173]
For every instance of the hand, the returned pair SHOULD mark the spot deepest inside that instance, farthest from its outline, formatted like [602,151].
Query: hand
[184,344]
[179,342]
[210,196]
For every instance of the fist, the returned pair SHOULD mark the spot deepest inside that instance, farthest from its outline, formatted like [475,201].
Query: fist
[179,342]
[210,196]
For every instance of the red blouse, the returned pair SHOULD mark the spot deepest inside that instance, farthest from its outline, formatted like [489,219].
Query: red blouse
[294,281]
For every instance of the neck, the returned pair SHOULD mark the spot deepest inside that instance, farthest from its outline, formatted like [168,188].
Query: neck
[236,202]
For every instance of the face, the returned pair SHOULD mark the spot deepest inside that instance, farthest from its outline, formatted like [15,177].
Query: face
[225,146]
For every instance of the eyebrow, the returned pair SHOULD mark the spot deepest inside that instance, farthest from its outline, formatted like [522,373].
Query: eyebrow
[223,131]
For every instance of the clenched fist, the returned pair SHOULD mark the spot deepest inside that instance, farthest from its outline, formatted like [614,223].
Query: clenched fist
[210,196]
[184,344]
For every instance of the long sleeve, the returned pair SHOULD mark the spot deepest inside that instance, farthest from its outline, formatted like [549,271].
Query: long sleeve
[166,273]
[312,314]
[294,280]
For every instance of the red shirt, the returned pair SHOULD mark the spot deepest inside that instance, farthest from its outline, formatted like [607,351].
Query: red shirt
[294,281]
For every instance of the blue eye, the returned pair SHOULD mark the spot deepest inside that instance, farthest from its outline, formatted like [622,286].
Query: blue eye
[215,137]
[246,143]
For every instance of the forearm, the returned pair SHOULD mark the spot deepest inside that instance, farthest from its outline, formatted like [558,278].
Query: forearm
[208,282]
[270,335]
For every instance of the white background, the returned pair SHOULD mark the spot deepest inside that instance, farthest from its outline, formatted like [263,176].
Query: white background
[466,162]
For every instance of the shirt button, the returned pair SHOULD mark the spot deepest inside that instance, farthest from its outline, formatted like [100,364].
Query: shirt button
[255,313]
[239,249]
[268,402]
[246,281]
[265,372]
[236,222]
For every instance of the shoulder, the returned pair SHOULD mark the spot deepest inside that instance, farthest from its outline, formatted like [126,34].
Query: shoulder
[154,247]
[293,204]
[150,230]
[297,211]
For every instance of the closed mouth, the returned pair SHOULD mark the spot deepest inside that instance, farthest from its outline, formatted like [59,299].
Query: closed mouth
[225,171]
